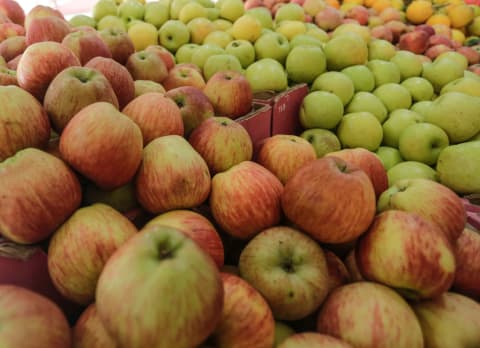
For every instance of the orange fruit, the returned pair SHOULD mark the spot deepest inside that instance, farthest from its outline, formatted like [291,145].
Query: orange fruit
[419,11]
[439,18]
[460,15]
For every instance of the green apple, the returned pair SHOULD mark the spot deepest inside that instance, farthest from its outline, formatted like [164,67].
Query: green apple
[471,74]
[384,72]
[290,12]
[397,121]
[408,63]
[366,101]
[173,34]
[458,167]
[420,88]
[199,28]
[220,62]
[219,38]
[246,27]
[381,49]
[389,156]
[82,20]
[322,140]
[263,15]
[305,39]
[336,83]
[206,3]
[316,32]
[282,332]
[131,22]
[111,22]
[360,129]
[305,63]
[422,142]
[321,109]
[346,50]
[243,50]
[272,45]
[442,71]
[361,76]
[176,6]
[231,9]
[156,13]
[410,170]
[201,54]
[185,52]
[104,8]
[190,11]
[467,85]
[131,9]
[290,28]
[213,13]
[393,96]
[222,24]
[453,56]
[421,107]
[267,74]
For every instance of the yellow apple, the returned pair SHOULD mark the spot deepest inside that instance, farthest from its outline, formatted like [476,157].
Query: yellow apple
[291,28]
[218,37]
[231,9]
[192,10]
[143,35]
[199,29]
[222,24]
[247,28]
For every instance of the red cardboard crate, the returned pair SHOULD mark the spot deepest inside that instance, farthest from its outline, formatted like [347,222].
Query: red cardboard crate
[257,123]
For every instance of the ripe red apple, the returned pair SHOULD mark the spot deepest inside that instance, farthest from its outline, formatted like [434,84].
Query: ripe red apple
[382,32]
[358,13]
[12,10]
[10,30]
[338,273]
[181,75]
[245,199]
[472,55]
[242,301]
[425,27]
[118,76]
[196,227]
[41,192]
[39,11]
[172,176]
[328,18]
[194,106]
[467,256]
[8,77]
[312,340]
[86,45]
[90,332]
[102,144]
[120,44]
[12,47]
[46,29]
[156,115]
[230,93]
[39,65]
[167,57]
[415,41]
[434,51]
[31,320]
[73,89]
[439,39]
[330,199]
[222,143]
[144,65]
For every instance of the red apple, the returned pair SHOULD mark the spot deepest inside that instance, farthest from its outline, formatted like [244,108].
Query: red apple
[39,65]
[102,144]
[312,340]
[86,45]
[398,28]
[190,65]
[118,76]
[90,332]
[338,274]
[41,193]
[172,176]
[435,50]
[73,89]
[47,29]
[472,55]
[167,57]
[415,41]
[13,63]
[196,227]
[181,75]
[12,47]
[467,256]
[439,39]
[156,115]
[31,320]
[330,199]
[4,18]
[41,11]
[194,106]
[10,30]
[120,44]
[222,143]
[427,28]
[382,32]
[144,65]
[12,10]
[8,77]
[245,199]
[358,13]
[328,18]
[390,14]
[23,121]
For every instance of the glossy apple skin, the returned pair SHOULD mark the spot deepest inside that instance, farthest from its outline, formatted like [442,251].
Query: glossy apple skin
[89,331]
[26,315]
[330,199]
[102,144]
[313,340]
[49,28]
[41,192]
[467,256]
[86,45]
[246,199]
[407,252]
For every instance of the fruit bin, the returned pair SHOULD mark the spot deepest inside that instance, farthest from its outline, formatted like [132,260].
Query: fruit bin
[257,123]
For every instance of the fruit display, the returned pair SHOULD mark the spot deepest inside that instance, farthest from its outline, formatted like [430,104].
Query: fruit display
[229,174]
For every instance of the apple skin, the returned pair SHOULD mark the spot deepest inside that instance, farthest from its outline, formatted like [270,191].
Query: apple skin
[467,256]
[41,11]
[167,57]
[119,44]
[23,122]
[49,28]
[222,143]
[147,86]
[415,41]
[26,314]
[351,264]
[230,93]
[183,318]
[39,65]
[13,63]
[408,253]
[89,331]
[98,230]
[12,47]
[10,30]
[284,154]
[435,202]
[12,10]
[359,313]
[102,144]
[172,176]
[144,65]
[313,340]
[156,115]
[289,269]
[37,207]
[118,76]
[73,89]
[245,199]
[335,217]
[368,162]
[86,45]
[8,77]
[338,273]
[181,75]
[242,301]
[450,320]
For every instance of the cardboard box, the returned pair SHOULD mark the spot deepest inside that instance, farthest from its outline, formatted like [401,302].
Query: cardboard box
[257,123]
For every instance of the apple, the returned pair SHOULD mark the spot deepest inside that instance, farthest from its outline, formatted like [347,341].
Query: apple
[266,74]
[167,57]
[9,29]
[384,71]
[328,18]
[103,8]
[156,13]
[322,140]
[8,76]
[112,22]
[12,10]
[451,69]
[306,39]
[28,219]
[289,11]
[84,146]
[230,93]
[344,50]
[12,47]
[175,6]
[39,65]
[118,76]
[305,63]
[173,34]
[389,156]
[335,82]
[416,41]
[89,331]
[231,9]
[421,107]
[320,109]
[360,129]
[263,14]
[144,65]
[380,31]
[147,86]
[362,77]
[359,13]
[49,28]
[394,96]
[243,50]
[313,339]
[457,312]
[187,172]
[201,54]
[122,198]
[410,170]
[23,122]
[246,217]
[434,51]
[408,64]
[419,88]
[346,218]
[368,102]
[468,263]
[82,21]
[467,85]
[41,11]
[291,28]
[272,45]
[353,312]
[338,273]
[398,28]
[27,314]
[192,10]
[182,76]
[131,9]
[380,49]
[398,121]
[221,62]
[86,45]
[282,332]
[185,317]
